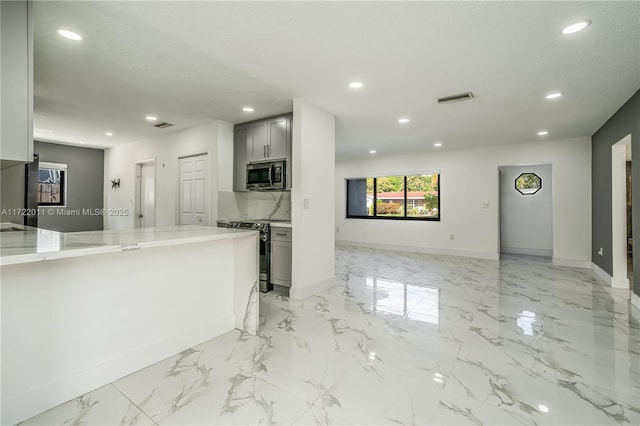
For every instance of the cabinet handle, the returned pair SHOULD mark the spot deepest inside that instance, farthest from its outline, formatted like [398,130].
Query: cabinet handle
[281,234]
[269,151]
[264,151]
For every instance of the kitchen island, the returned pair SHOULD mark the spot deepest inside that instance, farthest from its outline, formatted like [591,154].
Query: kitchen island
[80,310]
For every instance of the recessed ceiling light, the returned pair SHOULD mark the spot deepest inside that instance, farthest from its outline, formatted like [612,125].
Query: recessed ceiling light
[437,144]
[109,134]
[151,118]
[554,95]
[543,408]
[543,133]
[355,84]
[403,120]
[247,109]
[373,151]
[578,26]
[69,34]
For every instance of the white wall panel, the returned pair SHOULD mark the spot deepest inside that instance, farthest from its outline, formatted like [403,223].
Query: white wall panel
[469,180]
[167,149]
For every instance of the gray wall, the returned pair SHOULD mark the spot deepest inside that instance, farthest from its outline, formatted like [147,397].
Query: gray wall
[624,122]
[85,183]
[526,221]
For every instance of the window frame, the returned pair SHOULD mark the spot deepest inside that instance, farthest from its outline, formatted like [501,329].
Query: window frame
[515,184]
[63,168]
[375,199]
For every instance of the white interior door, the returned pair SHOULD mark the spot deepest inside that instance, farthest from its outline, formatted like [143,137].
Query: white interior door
[194,190]
[146,195]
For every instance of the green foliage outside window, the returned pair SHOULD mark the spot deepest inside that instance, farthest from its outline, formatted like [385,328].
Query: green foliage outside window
[389,194]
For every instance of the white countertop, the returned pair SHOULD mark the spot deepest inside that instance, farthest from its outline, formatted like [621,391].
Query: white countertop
[35,245]
[280,225]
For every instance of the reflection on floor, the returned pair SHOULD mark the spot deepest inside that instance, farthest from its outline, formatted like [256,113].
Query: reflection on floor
[403,339]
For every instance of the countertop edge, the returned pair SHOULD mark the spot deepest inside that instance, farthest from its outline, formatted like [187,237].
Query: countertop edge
[280,225]
[115,248]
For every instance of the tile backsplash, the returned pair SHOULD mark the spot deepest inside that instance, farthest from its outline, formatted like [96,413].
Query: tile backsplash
[254,205]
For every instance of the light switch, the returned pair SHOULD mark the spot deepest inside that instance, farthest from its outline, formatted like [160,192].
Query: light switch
[306,203]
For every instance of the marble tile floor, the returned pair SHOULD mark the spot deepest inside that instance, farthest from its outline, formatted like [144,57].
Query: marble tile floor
[404,338]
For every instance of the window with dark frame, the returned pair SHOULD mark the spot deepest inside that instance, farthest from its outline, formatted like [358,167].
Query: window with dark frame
[52,184]
[528,183]
[411,197]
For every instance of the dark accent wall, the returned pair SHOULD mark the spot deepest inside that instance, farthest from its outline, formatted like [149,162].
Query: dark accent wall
[624,122]
[85,186]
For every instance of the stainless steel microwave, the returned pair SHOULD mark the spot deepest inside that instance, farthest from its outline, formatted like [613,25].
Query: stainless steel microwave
[267,176]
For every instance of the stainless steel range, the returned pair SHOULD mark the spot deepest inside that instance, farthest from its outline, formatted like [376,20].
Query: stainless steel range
[265,244]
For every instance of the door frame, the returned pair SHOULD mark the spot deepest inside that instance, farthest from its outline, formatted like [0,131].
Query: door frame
[136,193]
[500,218]
[619,276]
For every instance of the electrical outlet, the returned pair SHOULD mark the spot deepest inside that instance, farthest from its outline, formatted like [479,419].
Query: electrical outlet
[601,252]
[451,237]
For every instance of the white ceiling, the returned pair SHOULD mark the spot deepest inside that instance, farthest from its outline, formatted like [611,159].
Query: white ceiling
[193,62]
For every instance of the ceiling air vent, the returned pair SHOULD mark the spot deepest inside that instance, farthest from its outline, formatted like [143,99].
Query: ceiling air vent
[163,125]
[455,98]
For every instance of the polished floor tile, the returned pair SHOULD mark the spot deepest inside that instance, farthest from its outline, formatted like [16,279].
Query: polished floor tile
[403,338]
[104,406]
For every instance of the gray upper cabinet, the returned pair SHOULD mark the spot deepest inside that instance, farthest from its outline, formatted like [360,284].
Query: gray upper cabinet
[258,141]
[241,138]
[279,137]
[262,140]
[270,139]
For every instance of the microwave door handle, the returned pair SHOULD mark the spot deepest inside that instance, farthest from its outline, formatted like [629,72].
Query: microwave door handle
[271,176]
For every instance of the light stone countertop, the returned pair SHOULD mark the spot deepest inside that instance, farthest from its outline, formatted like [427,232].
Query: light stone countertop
[280,225]
[35,244]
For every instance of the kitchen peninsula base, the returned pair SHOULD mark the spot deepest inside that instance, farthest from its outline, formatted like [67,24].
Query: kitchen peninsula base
[72,323]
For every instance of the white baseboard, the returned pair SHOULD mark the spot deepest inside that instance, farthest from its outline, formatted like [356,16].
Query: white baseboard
[527,251]
[572,263]
[301,293]
[419,249]
[602,274]
[615,282]
[42,398]
[620,282]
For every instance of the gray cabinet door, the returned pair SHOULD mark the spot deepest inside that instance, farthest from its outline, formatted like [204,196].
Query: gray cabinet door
[259,141]
[278,138]
[16,79]
[241,142]
[281,262]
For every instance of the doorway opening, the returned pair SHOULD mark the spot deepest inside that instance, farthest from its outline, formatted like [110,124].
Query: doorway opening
[145,194]
[621,212]
[526,210]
